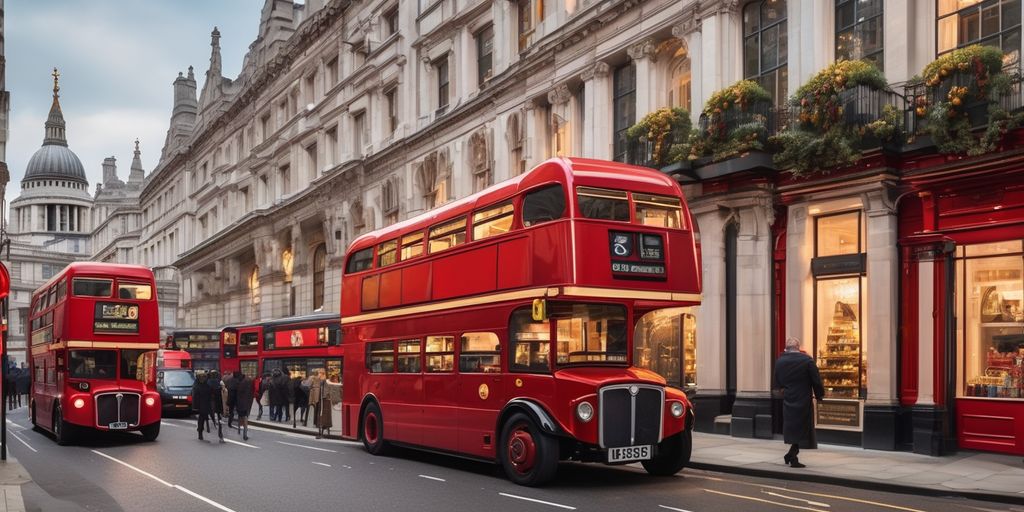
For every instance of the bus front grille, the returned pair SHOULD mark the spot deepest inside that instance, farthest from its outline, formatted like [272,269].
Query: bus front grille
[630,415]
[117,407]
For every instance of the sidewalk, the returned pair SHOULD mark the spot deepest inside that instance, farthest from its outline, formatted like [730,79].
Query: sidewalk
[975,475]
[335,432]
[12,475]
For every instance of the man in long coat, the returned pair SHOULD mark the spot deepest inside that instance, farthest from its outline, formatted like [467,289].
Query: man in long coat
[797,375]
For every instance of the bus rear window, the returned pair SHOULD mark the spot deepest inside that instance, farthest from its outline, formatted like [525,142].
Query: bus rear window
[543,205]
[447,235]
[659,211]
[360,261]
[134,291]
[605,204]
[92,287]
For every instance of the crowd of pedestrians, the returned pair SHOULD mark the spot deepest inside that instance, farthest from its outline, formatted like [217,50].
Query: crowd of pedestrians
[16,386]
[214,399]
[293,398]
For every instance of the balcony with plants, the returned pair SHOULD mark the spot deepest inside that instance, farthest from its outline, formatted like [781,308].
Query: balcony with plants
[964,104]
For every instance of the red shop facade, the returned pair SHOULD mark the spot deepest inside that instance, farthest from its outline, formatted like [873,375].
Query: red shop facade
[961,239]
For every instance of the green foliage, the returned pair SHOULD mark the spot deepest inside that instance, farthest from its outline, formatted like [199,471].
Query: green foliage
[723,138]
[669,130]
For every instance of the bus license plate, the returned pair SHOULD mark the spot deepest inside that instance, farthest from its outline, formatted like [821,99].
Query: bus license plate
[629,453]
[118,425]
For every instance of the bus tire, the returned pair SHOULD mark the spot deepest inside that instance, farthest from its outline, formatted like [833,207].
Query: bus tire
[528,455]
[371,429]
[61,428]
[673,454]
[151,431]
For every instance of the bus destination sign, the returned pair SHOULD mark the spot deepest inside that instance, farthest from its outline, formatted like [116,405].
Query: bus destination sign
[116,318]
[637,268]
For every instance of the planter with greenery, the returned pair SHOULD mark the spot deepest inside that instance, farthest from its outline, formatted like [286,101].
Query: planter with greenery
[962,92]
[833,121]
[734,121]
[662,137]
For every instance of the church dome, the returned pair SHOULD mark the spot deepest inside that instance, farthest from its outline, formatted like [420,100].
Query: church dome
[55,162]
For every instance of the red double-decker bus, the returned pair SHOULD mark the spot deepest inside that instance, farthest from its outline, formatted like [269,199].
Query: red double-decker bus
[501,326]
[296,345]
[91,327]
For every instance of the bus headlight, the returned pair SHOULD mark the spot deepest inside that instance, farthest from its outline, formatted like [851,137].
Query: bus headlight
[79,403]
[677,409]
[584,411]
[150,401]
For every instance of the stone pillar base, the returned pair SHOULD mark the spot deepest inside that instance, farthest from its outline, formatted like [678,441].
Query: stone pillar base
[881,427]
[932,432]
[707,407]
[752,417]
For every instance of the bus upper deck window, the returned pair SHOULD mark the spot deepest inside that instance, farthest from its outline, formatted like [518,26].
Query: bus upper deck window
[446,236]
[360,261]
[602,203]
[81,287]
[387,253]
[412,246]
[134,291]
[659,211]
[493,221]
[543,204]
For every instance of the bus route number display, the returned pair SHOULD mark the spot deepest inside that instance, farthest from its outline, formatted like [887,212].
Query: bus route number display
[643,259]
[116,318]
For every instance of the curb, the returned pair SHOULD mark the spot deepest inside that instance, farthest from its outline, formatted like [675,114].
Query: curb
[871,485]
[284,427]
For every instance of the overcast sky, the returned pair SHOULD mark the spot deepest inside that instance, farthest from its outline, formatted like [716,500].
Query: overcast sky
[117,60]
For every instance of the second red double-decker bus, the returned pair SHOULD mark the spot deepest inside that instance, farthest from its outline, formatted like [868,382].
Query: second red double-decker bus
[296,345]
[501,326]
[91,326]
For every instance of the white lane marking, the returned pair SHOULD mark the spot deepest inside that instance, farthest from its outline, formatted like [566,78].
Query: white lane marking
[133,468]
[428,477]
[821,495]
[203,498]
[321,464]
[308,437]
[308,447]
[542,502]
[760,500]
[673,508]
[239,443]
[13,423]
[169,424]
[16,436]
[346,466]
[809,502]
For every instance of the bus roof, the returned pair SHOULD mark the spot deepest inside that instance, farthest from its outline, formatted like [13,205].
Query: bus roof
[570,171]
[300,319]
[95,268]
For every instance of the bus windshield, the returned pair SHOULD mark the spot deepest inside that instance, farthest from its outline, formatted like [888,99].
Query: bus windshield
[587,333]
[178,378]
[93,364]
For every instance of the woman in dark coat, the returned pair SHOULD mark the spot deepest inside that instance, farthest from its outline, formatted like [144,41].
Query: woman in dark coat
[301,400]
[278,395]
[241,399]
[797,375]
[202,402]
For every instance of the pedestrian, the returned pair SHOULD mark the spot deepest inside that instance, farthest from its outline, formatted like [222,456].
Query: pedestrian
[11,385]
[289,392]
[262,393]
[797,376]
[202,402]
[242,399]
[23,383]
[301,401]
[216,402]
[278,395]
[317,392]
[229,398]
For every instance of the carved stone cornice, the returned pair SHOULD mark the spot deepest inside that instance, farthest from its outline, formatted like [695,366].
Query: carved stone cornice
[643,50]
[598,70]
[718,7]
[689,23]
[559,95]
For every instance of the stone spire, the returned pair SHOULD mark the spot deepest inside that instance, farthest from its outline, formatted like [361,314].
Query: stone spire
[183,116]
[110,171]
[55,125]
[215,64]
[137,174]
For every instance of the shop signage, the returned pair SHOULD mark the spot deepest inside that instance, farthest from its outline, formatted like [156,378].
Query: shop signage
[838,413]
[837,265]
[116,318]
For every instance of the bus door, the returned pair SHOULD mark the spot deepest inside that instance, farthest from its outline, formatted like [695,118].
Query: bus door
[404,414]
[480,392]
[440,393]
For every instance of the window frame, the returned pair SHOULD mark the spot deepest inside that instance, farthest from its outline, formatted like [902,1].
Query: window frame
[450,228]
[620,98]
[603,193]
[1019,27]
[360,257]
[477,353]
[482,43]
[412,240]
[76,280]
[762,72]
[443,84]
[861,246]
[513,343]
[880,52]
[443,354]
[533,192]
[418,355]
[380,349]
[480,218]
[387,249]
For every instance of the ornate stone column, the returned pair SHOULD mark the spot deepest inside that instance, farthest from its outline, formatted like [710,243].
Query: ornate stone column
[643,56]
[561,115]
[597,127]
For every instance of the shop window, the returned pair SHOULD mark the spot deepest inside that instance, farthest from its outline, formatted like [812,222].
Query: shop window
[412,246]
[859,30]
[605,204]
[446,236]
[543,205]
[409,356]
[531,343]
[990,23]
[991,310]
[380,357]
[480,352]
[838,235]
[387,253]
[839,346]
[665,342]
[493,221]
[440,352]
[765,46]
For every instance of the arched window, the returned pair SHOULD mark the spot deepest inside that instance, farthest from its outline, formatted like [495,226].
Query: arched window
[254,285]
[389,201]
[319,270]
[679,78]
[356,218]
[766,46]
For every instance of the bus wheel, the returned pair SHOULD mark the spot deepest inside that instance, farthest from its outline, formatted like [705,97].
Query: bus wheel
[151,431]
[373,430]
[528,456]
[61,428]
[672,455]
